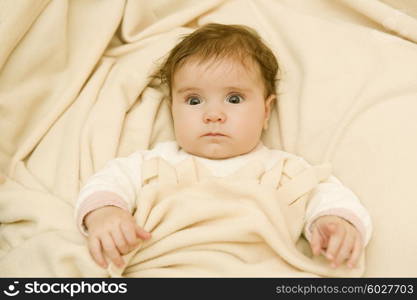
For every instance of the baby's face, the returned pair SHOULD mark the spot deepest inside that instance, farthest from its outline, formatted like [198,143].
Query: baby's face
[218,107]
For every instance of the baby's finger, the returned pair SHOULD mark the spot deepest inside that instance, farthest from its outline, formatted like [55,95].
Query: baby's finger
[129,233]
[357,250]
[144,235]
[345,249]
[316,241]
[119,240]
[111,250]
[94,246]
[335,241]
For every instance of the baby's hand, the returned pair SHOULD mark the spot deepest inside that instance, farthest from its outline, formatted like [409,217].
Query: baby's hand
[337,240]
[112,232]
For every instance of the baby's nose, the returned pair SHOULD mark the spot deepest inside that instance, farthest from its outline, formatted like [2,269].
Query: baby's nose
[214,117]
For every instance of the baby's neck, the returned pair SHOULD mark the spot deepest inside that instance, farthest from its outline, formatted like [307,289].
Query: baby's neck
[258,147]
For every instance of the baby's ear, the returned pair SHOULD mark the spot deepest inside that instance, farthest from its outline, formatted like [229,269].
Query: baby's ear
[269,104]
[270,100]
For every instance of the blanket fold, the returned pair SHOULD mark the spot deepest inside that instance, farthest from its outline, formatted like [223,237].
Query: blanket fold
[245,225]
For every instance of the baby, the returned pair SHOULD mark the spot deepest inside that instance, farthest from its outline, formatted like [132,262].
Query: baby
[222,85]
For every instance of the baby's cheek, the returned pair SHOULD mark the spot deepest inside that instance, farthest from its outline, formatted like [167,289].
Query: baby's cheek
[251,130]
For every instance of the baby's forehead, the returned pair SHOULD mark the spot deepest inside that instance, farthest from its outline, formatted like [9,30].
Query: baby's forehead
[215,74]
[236,59]
[222,65]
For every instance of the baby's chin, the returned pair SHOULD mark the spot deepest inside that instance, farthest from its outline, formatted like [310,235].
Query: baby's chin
[216,152]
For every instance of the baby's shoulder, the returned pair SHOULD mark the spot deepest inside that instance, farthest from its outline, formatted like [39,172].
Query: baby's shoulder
[169,151]
[291,161]
[281,154]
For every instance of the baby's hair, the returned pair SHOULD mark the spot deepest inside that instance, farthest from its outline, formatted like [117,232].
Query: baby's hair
[213,41]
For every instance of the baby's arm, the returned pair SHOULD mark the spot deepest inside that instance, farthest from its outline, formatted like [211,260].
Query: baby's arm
[337,224]
[116,184]
[104,210]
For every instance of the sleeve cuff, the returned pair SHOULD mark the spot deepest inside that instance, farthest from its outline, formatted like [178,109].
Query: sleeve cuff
[97,200]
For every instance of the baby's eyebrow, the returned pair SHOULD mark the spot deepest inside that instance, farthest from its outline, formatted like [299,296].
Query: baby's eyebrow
[237,89]
[228,89]
[187,89]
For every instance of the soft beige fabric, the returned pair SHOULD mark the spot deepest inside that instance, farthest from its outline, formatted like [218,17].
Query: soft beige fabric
[74,93]
[248,224]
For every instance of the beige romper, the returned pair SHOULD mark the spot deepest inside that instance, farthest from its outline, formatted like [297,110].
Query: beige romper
[248,224]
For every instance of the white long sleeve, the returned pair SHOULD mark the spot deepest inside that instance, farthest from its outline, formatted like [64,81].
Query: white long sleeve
[122,177]
[333,198]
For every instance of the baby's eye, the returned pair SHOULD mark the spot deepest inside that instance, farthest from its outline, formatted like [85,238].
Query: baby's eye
[234,99]
[193,100]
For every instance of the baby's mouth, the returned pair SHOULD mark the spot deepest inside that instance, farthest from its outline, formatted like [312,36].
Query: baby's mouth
[218,134]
